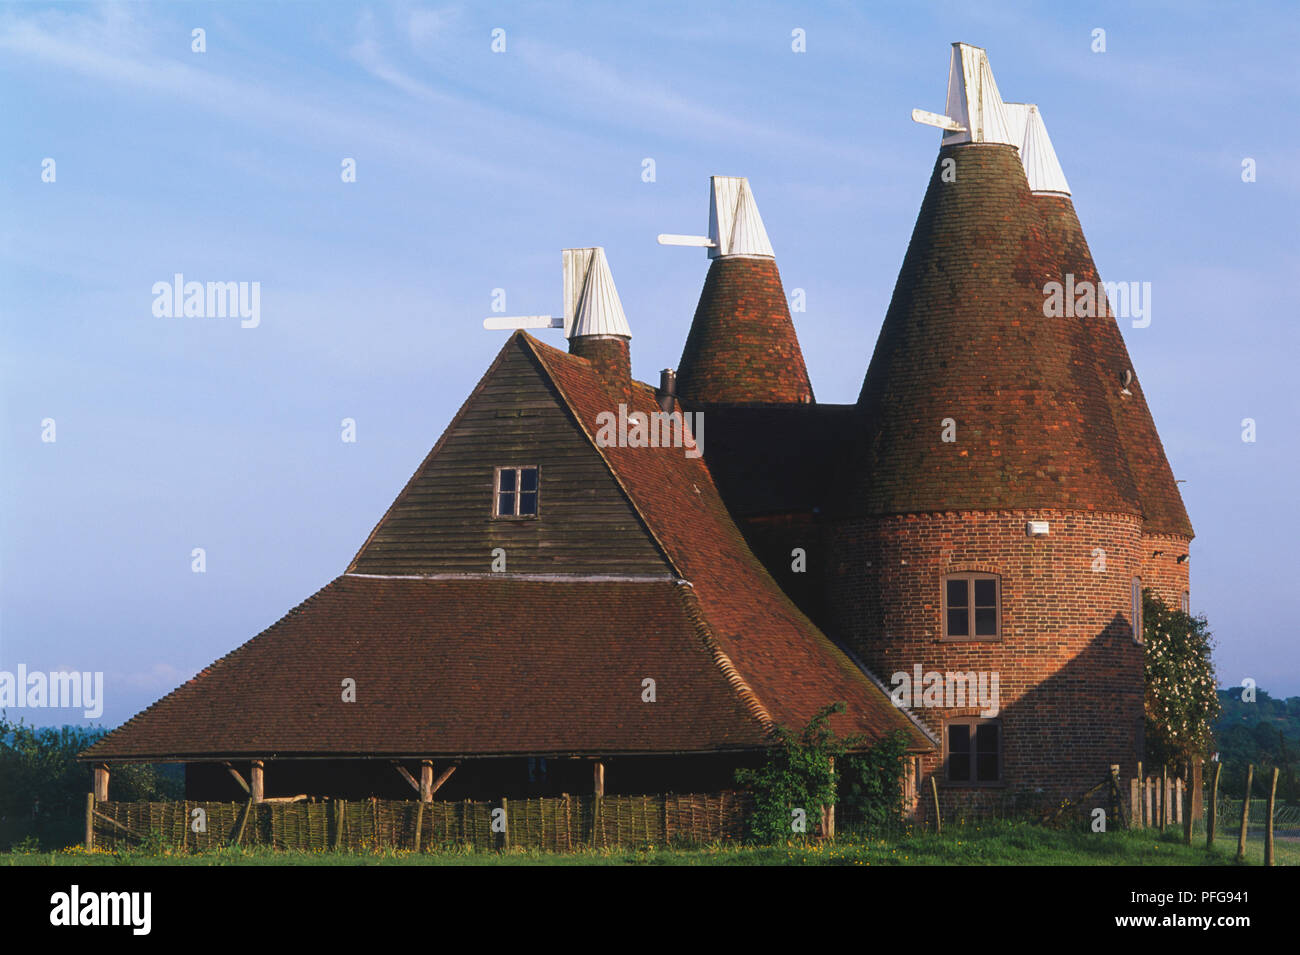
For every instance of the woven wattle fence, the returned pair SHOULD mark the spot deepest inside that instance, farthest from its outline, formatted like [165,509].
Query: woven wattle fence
[555,824]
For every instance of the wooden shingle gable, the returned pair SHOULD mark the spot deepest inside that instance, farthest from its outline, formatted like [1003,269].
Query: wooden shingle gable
[443,523]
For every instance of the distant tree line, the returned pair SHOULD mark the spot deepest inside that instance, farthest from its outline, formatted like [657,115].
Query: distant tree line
[1263,731]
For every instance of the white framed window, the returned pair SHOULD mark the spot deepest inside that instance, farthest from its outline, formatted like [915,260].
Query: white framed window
[1185,602]
[516,491]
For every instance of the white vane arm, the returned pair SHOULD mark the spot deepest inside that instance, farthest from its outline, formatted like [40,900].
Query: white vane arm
[927,118]
[694,241]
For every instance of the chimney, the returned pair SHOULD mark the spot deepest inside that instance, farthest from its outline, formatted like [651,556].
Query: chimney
[667,392]
[593,316]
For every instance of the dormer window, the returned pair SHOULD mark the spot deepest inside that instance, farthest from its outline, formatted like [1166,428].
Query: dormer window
[516,492]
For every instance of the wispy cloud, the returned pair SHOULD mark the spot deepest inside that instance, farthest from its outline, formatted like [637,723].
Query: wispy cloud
[108,49]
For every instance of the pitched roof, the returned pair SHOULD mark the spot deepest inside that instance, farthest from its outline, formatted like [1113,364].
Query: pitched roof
[460,664]
[453,667]
[742,347]
[965,338]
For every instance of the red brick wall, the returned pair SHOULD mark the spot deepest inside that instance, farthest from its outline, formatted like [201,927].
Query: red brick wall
[1070,673]
[1161,570]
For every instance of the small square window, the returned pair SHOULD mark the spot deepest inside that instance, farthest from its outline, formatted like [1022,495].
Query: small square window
[517,492]
[971,607]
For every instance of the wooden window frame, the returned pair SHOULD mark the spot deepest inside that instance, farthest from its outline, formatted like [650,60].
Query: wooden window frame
[1185,603]
[1135,609]
[970,576]
[973,722]
[496,492]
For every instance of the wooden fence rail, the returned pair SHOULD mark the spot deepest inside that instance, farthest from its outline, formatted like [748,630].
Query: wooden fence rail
[555,824]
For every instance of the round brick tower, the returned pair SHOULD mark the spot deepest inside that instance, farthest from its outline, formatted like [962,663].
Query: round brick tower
[1007,486]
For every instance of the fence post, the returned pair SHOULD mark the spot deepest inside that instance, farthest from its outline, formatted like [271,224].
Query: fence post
[1185,806]
[1117,797]
[598,797]
[1268,828]
[505,824]
[934,792]
[101,782]
[1135,800]
[90,821]
[1164,797]
[1198,790]
[1213,817]
[1245,812]
[1138,811]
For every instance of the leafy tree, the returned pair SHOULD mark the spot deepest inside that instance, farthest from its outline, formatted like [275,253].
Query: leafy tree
[871,786]
[798,774]
[815,768]
[1181,702]
[43,787]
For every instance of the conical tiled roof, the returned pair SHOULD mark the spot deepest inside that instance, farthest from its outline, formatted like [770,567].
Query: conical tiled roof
[965,346]
[1144,455]
[742,347]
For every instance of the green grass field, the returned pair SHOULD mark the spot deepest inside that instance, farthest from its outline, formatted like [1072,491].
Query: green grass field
[999,843]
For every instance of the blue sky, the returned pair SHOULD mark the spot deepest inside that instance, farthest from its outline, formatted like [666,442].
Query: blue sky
[474,169]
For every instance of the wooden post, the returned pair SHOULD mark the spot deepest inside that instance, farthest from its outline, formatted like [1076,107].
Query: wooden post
[1164,797]
[828,813]
[1117,796]
[256,787]
[1245,812]
[90,821]
[598,800]
[934,792]
[1138,811]
[1268,825]
[101,782]
[1135,799]
[1198,791]
[426,780]
[1177,801]
[505,824]
[419,822]
[1189,816]
[243,822]
[1147,808]
[1213,816]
